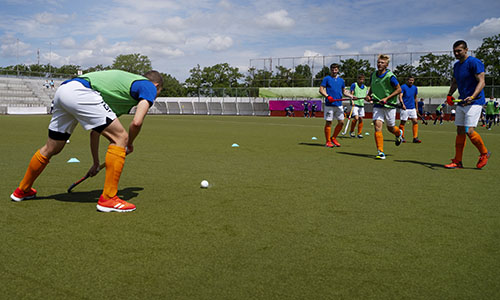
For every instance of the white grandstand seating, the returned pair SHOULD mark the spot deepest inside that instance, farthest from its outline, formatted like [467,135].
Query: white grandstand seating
[245,109]
[29,95]
[229,108]
[200,108]
[215,108]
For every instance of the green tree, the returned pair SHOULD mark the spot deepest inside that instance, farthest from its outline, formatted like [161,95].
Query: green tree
[434,69]
[133,63]
[172,87]
[218,80]
[96,68]
[258,78]
[302,76]
[489,53]
[351,68]
[70,70]
[320,75]
[404,71]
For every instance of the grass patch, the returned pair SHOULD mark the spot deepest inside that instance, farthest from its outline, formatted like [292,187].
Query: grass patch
[284,218]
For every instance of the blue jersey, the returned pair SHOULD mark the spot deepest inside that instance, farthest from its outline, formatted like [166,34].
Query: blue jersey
[409,94]
[464,74]
[140,89]
[421,106]
[335,88]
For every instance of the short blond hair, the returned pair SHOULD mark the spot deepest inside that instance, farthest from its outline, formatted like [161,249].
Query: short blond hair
[384,57]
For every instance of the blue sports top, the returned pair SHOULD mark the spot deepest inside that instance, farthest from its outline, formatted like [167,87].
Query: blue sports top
[140,89]
[335,88]
[464,74]
[409,94]
[421,105]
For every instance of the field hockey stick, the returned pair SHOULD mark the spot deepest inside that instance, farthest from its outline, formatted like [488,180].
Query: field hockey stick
[348,121]
[72,186]
[397,105]
[422,118]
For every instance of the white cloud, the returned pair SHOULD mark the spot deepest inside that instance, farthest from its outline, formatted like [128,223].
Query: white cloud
[308,53]
[162,36]
[386,46]
[220,43]
[13,47]
[277,20]
[47,18]
[225,4]
[340,45]
[68,42]
[487,28]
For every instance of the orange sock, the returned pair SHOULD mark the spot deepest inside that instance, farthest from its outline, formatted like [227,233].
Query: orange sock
[353,125]
[459,146]
[415,130]
[328,133]
[115,159]
[337,130]
[360,128]
[379,140]
[402,127]
[476,139]
[395,131]
[35,168]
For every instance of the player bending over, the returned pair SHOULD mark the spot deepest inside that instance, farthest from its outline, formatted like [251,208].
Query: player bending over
[96,100]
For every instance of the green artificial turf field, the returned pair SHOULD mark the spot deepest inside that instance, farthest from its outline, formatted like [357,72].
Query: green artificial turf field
[284,218]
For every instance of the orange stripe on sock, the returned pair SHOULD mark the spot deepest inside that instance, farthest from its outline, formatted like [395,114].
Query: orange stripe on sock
[37,163]
[478,142]
[415,130]
[328,133]
[115,159]
[379,140]
[402,127]
[459,146]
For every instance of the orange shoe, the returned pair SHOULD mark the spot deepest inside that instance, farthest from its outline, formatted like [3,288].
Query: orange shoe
[335,142]
[483,160]
[455,164]
[114,204]
[329,144]
[20,195]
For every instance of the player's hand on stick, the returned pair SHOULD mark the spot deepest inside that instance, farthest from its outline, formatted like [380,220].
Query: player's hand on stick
[450,100]
[330,99]
[129,149]
[94,169]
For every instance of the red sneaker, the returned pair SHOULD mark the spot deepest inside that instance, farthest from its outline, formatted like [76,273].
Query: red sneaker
[335,142]
[483,160]
[20,195]
[329,144]
[114,204]
[455,164]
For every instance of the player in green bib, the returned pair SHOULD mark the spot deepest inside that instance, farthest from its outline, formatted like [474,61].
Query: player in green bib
[490,107]
[384,92]
[359,90]
[95,101]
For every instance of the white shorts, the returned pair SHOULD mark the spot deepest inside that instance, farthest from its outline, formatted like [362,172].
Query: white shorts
[468,116]
[384,114]
[73,104]
[334,112]
[404,115]
[358,111]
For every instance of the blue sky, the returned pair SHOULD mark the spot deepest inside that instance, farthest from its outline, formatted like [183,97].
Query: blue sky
[178,35]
